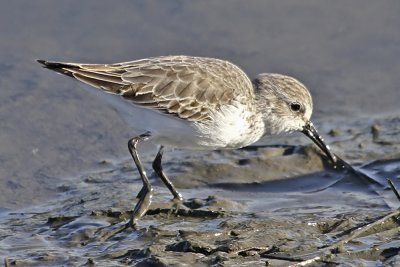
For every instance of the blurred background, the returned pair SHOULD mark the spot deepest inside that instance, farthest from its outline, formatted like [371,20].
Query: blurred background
[347,53]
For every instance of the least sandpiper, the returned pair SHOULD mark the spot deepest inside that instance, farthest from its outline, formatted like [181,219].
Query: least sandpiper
[197,103]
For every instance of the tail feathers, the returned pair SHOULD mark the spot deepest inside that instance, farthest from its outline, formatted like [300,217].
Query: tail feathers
[94,75]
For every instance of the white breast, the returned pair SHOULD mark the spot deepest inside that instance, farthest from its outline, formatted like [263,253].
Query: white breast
[233,126]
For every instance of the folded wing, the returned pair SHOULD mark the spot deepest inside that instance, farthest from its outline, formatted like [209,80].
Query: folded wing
[188,87]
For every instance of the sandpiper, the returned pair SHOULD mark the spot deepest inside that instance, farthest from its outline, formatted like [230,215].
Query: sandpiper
[197,103]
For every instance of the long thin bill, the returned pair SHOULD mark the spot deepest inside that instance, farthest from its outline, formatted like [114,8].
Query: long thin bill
[312,133]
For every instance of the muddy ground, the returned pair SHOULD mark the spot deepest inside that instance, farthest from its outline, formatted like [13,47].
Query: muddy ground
[270,205]
[67,181]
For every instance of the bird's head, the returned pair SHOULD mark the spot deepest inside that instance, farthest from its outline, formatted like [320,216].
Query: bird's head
[287,106]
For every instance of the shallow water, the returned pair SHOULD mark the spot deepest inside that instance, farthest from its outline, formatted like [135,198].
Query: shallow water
[65,170]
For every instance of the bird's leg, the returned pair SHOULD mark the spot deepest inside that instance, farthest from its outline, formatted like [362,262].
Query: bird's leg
[160,173]
[141,192]
[145,193]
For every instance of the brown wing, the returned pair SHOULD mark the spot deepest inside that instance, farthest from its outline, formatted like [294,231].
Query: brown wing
[185,86]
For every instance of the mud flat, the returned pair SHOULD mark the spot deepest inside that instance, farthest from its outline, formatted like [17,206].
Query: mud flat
[61,197]
[266,205]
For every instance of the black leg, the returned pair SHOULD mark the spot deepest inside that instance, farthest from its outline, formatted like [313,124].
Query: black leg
[141,192]
[145,193]
[160,173]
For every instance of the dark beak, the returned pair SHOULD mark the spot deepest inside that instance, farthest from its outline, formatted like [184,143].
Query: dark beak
[312,133]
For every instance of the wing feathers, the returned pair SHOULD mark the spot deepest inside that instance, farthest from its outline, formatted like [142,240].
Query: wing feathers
[186,76]
[163,88]
[105,85]
[99,76]
[189,87]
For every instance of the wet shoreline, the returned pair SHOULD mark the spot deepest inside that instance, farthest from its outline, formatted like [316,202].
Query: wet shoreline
[66,176]
[277,205]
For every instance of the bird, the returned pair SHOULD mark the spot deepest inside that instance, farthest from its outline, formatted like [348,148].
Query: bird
[191,102]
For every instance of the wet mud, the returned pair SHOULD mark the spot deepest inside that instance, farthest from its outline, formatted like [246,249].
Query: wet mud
[68,186]
[266,205]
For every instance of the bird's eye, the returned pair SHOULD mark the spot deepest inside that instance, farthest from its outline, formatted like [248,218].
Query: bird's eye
[296,107]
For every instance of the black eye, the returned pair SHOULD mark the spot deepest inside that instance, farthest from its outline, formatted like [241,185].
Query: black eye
[296,107]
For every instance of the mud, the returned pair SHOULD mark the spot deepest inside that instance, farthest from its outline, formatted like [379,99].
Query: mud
[68,186]
[237,212]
